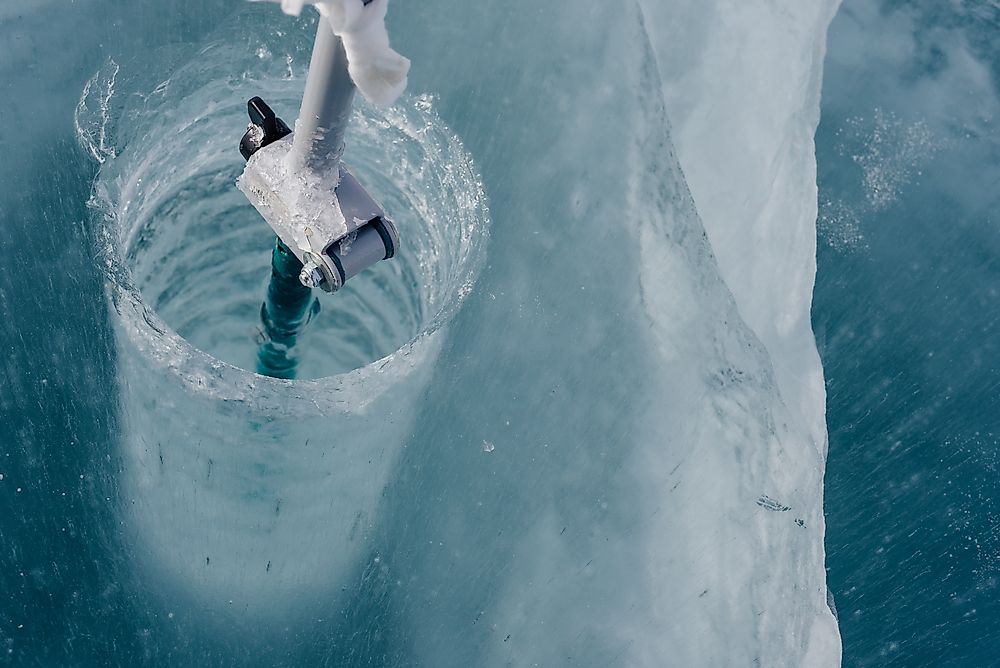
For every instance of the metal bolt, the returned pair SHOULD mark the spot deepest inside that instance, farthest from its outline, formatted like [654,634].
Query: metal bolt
[311,276]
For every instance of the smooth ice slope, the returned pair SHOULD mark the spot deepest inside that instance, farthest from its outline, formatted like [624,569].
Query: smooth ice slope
[742,86]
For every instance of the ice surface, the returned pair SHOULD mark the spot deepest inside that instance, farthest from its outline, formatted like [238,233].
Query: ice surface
[586,456]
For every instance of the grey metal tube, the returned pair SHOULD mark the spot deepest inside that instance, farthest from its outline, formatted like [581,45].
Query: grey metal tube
[326,104]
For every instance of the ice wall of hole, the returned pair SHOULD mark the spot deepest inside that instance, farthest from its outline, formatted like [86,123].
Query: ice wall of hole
[252,494]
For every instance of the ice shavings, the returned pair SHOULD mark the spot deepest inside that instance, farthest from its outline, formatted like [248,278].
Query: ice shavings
[742,86]
[91,117]
[889,152]
[302,204]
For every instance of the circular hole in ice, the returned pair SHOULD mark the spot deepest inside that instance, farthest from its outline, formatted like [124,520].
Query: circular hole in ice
[187,259]
[197,254]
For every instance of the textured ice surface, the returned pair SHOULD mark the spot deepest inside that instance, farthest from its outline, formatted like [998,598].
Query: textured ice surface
[589,457]
[296,201]
[745,104]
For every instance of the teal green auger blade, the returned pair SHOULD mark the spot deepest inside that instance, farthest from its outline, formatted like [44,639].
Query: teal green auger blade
[287,309]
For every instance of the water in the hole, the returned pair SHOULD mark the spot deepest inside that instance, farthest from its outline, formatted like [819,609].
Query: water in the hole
[583,426]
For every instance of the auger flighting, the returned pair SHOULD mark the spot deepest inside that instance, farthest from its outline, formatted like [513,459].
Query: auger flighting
[328,227]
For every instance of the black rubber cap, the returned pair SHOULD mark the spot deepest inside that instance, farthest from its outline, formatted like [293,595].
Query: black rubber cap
[271,128]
